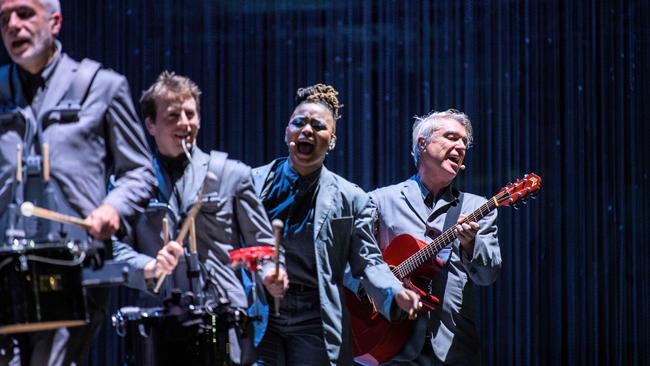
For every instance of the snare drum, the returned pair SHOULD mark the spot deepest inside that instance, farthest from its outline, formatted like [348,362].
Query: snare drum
[154,337]
[40,289]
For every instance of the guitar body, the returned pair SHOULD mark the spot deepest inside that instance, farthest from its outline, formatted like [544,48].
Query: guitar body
[376,339]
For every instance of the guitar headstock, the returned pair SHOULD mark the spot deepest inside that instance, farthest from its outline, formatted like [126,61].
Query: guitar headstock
[514,193]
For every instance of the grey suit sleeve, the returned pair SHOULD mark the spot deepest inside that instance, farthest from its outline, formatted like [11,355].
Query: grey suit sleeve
[134,178]
[366,260]
[485,265]
[251,215]
[135,261]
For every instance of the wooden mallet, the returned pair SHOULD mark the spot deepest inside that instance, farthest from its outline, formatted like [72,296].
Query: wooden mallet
[277,230]
[28,209]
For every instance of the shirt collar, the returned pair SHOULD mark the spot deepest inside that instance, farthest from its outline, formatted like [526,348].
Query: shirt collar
[294,178]
[449,193]
[48,71]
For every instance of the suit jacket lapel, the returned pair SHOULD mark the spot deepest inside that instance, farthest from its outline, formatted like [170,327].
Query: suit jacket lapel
[260,175]
[58,85]
[413,196]
[324,200]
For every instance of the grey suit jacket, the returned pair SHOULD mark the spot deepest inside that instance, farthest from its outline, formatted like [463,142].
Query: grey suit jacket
[342,237]
[231,217]
[107,138]
[401,209]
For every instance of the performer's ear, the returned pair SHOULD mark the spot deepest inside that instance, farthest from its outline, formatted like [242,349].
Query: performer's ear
[332,143]
[55,25]
[149,124]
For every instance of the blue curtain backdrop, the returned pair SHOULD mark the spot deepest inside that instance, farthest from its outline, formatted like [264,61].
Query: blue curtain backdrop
[560,88]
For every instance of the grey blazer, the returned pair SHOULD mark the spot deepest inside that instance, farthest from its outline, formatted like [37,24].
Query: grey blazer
[342,237]
[230,217]
[401,209]
[107,138]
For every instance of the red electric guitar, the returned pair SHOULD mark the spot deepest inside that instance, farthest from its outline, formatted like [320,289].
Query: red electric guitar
[377,340]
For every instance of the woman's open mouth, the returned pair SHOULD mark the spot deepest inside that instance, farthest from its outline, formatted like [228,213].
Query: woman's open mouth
[305,147]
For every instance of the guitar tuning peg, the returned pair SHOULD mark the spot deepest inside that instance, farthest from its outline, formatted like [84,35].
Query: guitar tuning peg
[515,206]
[524,201]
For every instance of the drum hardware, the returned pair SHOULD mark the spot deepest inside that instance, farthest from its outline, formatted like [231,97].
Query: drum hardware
[23,247]
[189,220]
[12,230]
[111,273]
[177,333]
[252,258]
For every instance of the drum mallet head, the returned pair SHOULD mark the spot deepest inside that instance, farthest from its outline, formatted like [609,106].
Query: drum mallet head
[27,209]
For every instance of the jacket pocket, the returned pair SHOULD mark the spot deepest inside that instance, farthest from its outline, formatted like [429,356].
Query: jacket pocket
[219,215]
[341,230]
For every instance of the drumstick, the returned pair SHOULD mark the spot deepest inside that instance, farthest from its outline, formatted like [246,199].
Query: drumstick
[186,224]
[46,162]
[165,230]
[277,229]
[28,209]
[192,236]
[19,163]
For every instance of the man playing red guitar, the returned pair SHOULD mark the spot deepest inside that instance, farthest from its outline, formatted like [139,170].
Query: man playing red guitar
[424,206]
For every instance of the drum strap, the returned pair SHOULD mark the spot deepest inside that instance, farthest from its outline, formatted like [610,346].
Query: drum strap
[216,166]
[5,85]
[84,77]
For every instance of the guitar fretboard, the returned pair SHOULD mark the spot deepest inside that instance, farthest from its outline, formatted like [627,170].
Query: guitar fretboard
[425,254]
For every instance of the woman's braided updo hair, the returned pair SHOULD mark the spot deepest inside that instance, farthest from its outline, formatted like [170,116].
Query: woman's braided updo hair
[320,93]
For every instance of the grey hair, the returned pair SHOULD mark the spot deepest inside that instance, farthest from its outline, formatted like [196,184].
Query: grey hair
[424,127]
[52,6]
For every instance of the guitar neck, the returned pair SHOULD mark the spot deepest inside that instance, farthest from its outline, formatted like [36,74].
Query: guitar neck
[431,250]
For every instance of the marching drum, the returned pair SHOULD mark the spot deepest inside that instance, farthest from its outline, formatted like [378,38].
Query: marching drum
[156,336]
[40,288]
